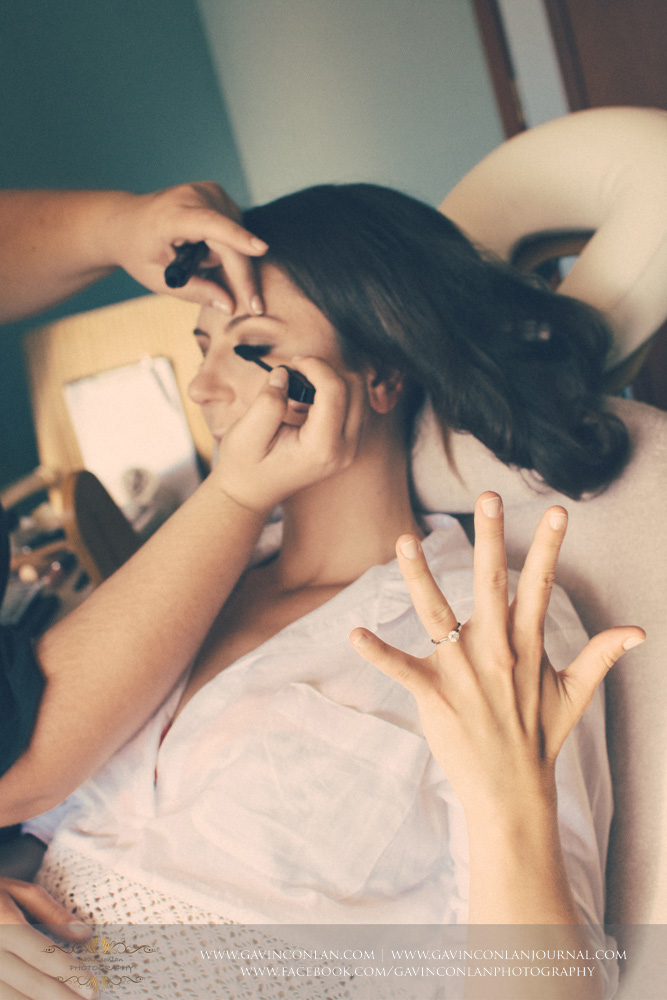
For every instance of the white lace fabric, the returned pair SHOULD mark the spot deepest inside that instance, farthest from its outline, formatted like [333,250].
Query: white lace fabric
[169,936]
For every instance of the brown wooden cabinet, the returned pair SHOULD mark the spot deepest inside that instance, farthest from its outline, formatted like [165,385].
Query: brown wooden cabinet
[611,51]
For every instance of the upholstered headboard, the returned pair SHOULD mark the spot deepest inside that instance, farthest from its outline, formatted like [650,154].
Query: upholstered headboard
[602,170]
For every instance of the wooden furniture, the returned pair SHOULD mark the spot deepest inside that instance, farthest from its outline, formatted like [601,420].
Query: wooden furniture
[77,347]
[95,528]
[92,342]
[609,52]
[534,252]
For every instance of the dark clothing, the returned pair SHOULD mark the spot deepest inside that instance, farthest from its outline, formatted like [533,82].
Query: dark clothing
[21,680]
[21,686]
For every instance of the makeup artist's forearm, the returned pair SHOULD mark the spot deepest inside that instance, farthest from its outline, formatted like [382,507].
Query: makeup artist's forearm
[518,877]
[53,246]
[112,662]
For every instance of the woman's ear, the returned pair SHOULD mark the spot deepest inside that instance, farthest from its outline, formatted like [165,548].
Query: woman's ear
[384,393]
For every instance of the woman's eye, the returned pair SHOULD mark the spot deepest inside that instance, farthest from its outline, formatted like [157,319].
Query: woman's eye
[257,350]
[202,340]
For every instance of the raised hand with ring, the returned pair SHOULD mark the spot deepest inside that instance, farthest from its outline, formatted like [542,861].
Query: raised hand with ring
[493,709]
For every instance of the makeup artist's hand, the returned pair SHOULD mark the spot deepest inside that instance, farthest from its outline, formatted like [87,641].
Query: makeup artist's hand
[26,969]
[145,229]
[493,709]
[263,459]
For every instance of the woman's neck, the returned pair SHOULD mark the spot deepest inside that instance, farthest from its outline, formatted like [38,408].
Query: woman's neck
[337,529]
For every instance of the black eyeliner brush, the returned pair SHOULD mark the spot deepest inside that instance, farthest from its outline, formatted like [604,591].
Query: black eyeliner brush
[188,258]
[298,387]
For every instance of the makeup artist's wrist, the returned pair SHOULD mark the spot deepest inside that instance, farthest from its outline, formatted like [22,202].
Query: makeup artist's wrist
[117,210]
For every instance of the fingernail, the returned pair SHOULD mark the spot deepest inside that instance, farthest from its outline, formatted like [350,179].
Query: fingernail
[558,520]
[361,640]
[258,244]
[492,506]
[278,378]
[222,306]
[257,305]
[80,930]
[634,640]
[410,549]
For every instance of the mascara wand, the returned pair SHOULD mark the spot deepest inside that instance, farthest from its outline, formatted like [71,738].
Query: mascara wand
[188,258]
[298,387]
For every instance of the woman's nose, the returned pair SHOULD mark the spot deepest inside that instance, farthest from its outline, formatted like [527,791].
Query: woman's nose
[210,385]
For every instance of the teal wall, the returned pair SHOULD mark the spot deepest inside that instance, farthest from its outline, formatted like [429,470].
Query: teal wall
[109,94]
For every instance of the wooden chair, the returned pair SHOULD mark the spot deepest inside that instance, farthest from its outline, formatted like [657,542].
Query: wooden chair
[534,253]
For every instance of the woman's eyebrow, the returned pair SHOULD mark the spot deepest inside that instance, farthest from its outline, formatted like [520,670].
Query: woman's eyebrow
[240,319]
[237,319]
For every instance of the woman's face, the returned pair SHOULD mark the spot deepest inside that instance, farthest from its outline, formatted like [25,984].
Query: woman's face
[226,384]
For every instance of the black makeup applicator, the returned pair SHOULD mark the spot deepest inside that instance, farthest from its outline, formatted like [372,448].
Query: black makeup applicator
[298,387]
[188,258]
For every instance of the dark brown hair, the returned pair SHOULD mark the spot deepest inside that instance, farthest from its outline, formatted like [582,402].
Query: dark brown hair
[498,354]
